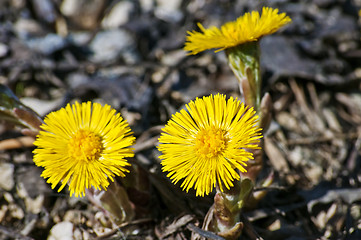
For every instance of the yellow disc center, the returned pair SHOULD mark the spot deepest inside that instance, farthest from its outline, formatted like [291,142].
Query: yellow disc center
[85,146]
[211,142]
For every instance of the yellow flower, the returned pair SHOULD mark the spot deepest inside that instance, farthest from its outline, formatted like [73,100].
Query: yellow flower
[83,145]
[247,28]
[205,145]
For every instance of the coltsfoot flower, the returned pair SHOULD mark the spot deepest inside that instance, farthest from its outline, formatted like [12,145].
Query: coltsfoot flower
[83,145]
[247,28]
[205,145]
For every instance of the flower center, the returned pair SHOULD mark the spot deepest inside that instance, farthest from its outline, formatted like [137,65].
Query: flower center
[85,146]
[211,142]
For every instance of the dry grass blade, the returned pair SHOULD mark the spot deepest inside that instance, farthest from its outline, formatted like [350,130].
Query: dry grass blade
[175,226]
[124,225]
[204,233]
[15,143]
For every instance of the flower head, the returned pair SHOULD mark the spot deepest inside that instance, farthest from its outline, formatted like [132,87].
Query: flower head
[83,145]
[247,28]
[205,145]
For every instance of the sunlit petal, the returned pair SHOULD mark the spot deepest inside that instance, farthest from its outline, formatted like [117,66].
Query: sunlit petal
[77,147]
[205,145]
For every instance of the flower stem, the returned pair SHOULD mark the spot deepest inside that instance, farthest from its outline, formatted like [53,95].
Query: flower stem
[226,211]
[244,62]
